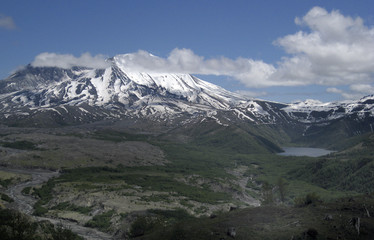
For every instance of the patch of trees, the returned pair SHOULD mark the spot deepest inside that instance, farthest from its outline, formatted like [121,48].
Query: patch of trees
[351,175]
[17,226]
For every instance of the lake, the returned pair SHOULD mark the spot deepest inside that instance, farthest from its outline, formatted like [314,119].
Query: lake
[303,151]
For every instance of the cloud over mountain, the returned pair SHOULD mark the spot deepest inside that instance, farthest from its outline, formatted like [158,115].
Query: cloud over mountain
[186,61]
[332,50]
[355,91]
[67,60]
[178,61]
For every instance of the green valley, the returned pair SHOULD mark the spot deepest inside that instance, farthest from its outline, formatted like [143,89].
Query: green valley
[222,174]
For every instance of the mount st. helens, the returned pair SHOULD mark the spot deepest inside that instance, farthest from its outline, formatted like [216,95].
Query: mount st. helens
[79,95]
[51,96]
[133,145]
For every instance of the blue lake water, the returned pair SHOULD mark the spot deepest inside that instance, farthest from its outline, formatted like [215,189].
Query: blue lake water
[303,151]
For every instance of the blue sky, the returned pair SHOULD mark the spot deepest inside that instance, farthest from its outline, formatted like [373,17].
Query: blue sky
[275,50]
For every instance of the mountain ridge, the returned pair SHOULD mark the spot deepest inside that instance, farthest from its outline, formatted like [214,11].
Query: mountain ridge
[52,96]
[140,94]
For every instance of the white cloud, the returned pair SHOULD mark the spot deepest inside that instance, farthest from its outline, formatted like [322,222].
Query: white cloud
[67,60]
[7,22]
[337,50]
[334,50]
[334,90]
[363,88]
[245,70]
[355,91]
[251,94]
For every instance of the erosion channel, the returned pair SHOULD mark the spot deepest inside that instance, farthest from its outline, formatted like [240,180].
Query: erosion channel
[24,203]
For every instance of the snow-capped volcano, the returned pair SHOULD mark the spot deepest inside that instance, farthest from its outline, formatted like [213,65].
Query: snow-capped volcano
[122,92]
[79,94]
[185,85]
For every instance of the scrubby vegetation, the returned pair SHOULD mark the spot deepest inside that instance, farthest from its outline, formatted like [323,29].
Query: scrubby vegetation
[66,206]
[26,190]
[353,174]
[101,221]
[148,178]
[5,197]
[209,175]
[22,145]
[6,182]
[44,194]
[155,219]
[17,226]
[116,136]
[310,199]
[327,220]
[188,176]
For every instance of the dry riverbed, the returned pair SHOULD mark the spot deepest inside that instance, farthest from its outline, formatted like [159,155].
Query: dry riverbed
[24,203]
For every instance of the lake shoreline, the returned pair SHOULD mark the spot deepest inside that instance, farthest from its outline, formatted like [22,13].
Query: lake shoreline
[304,152]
